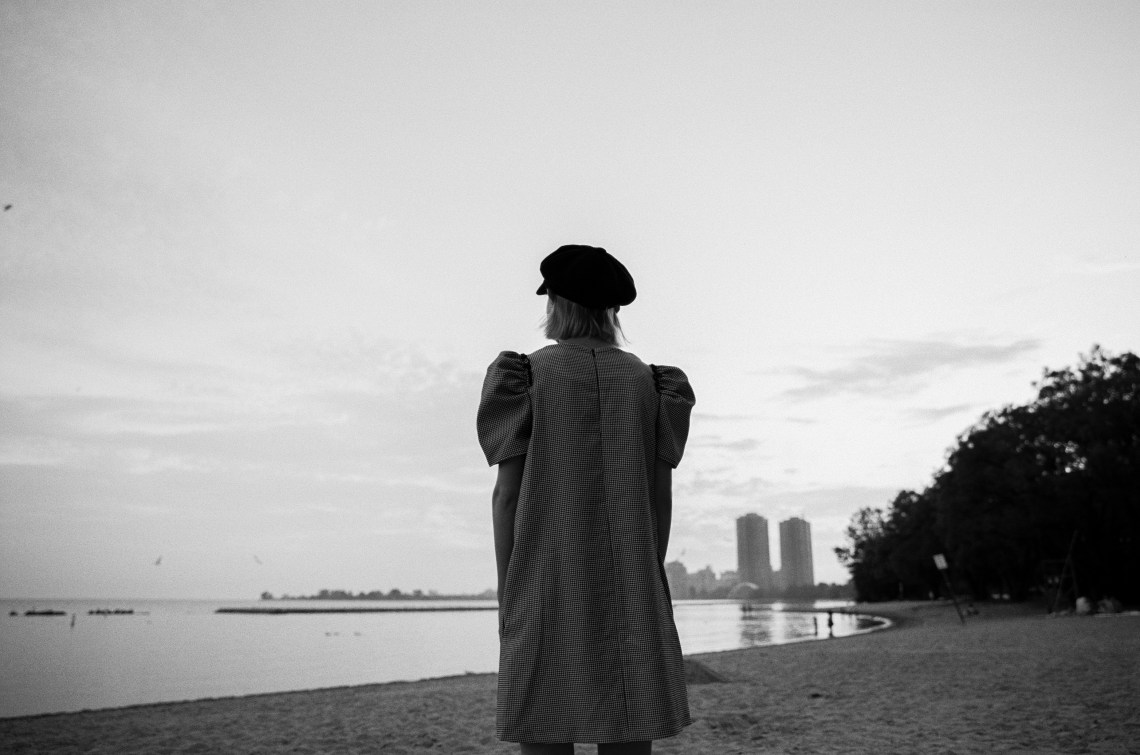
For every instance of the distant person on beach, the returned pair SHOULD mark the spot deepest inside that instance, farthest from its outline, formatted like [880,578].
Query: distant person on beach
[586,437]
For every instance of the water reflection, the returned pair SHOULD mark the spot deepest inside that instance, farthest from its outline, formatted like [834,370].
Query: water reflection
[708,626]
[178,650]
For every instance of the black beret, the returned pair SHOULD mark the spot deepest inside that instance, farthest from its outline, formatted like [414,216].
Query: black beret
[587,275]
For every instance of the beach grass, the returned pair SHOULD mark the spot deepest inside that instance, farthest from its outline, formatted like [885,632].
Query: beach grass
[1012,680]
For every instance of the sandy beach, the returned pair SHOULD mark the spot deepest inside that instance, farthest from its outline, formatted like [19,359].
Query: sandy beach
[1012,680]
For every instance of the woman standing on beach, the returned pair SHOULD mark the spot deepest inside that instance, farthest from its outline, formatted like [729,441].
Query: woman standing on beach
[586,436]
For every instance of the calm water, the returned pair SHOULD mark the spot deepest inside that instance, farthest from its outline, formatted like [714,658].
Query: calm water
[181,650]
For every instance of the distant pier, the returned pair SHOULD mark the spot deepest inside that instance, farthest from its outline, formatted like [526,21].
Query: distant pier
[274,610]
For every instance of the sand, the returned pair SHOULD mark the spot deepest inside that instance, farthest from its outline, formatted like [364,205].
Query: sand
[1012,681]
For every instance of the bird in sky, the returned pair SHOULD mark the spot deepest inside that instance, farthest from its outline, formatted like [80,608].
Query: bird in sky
[7,207]
[158,561]
[255,558]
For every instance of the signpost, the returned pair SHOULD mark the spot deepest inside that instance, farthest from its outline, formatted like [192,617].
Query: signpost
[943,568]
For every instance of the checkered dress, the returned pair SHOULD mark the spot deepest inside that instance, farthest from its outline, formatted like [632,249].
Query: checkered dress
[588,647]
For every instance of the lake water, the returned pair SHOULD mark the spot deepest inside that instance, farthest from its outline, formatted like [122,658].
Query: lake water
[182,650]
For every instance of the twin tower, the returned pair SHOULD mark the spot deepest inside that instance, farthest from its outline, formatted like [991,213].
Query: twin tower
[754,564]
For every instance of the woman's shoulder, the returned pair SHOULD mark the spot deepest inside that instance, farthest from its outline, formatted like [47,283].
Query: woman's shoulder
[669,371]
[672,381]
[508,357]
[509,368]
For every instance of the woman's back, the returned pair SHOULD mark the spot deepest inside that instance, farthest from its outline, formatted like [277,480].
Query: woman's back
[585,436]
[589,649]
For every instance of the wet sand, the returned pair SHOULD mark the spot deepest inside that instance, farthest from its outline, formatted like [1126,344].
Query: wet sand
[1012,680]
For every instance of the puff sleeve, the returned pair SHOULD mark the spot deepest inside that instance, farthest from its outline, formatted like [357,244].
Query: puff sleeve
[674,405]
[504,415]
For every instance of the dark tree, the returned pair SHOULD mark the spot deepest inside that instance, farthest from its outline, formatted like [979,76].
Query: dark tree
[911,542]
[1092,416]
[991,506]
[1017,489]
[867,556]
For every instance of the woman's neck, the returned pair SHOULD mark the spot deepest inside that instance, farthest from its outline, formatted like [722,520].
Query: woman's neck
[594,343]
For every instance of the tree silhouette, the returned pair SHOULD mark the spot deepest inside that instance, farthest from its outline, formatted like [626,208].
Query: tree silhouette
[1015,489]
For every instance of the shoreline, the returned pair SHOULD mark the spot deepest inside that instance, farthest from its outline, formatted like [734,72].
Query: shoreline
[370,609]
[695,671]
[1010,680]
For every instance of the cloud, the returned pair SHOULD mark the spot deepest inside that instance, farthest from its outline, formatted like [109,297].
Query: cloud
[716,441]
[701,417]
[717,483]
[826,502]
[364,431]
[892,367]
[936,413]
[775,504]
[1095,267]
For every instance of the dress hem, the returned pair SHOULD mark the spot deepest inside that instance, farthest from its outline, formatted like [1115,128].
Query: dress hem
[589,739]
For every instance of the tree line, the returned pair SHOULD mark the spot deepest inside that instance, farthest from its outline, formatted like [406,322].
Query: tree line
[1035,499]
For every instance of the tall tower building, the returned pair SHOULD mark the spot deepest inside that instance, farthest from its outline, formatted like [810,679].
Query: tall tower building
[752,559]
[795,553]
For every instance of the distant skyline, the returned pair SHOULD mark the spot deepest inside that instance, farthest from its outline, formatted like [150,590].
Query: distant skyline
[797,556]
[786,560]
[258,257]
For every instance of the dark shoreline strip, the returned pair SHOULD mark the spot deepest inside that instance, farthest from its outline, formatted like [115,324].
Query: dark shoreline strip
[386,609]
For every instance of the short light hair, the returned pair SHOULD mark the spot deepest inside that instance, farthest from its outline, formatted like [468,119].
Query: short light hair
[567,319]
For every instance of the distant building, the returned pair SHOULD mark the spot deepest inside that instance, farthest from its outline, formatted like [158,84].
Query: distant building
[703,582]
[700,584]
[796,568]
[754,564]
[678,578]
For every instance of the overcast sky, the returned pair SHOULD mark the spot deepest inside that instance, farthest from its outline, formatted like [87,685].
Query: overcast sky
[259,255]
